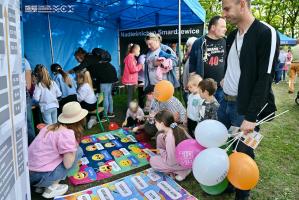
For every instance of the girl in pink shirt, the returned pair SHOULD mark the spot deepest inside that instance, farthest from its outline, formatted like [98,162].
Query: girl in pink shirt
[55,151]
[170,135]
[130,76]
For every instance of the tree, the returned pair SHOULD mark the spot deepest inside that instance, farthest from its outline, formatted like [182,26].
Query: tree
[281,14]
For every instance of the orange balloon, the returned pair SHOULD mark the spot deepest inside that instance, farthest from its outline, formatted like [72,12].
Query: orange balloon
[243,172]
[163,91]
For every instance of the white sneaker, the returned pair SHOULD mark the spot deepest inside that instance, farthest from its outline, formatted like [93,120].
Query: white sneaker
[181,178]
[39,190]
[55,190]
[103,120]
[91,123]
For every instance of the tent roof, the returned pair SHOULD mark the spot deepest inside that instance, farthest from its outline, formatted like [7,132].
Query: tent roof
[286,40]
[128,14]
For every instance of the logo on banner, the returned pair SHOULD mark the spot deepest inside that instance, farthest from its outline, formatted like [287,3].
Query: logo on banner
[50,8]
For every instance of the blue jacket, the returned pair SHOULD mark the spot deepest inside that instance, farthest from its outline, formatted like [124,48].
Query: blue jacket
[64,88]
[196,63]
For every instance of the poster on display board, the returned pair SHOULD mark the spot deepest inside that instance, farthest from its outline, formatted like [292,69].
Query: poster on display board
[14,175]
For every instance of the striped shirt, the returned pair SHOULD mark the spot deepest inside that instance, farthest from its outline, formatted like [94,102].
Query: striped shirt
[173,105]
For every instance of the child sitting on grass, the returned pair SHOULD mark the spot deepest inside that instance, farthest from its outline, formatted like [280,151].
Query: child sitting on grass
[55,151]
[134,116]
[170,135]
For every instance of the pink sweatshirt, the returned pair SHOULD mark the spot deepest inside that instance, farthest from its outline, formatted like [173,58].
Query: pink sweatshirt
[130,76]
[47,149]
[165,67]
[166,161]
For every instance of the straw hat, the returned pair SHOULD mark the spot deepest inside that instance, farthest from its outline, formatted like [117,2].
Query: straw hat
[72,113]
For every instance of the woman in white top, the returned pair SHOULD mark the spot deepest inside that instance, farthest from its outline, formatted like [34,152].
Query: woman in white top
[46,93]
[86,96]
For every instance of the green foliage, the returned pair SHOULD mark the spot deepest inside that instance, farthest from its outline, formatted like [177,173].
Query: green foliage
[281,14]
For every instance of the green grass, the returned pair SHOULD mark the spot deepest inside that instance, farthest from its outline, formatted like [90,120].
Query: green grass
[277,155]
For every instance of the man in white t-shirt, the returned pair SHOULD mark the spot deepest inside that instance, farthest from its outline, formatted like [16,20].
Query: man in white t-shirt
[252,55]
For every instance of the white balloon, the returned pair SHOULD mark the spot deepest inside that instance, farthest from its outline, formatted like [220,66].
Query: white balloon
[210,166]
[211,133]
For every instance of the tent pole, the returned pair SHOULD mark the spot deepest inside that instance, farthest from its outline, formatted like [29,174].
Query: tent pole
[179,49]
[50,36]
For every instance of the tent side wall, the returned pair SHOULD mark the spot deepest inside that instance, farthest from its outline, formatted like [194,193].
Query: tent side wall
[67,36]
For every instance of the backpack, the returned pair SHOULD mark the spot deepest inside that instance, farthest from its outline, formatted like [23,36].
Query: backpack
[101,54]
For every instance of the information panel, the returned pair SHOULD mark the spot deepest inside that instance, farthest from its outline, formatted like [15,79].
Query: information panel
[14,175]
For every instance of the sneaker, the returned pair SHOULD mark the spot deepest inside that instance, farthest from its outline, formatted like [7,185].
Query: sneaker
[39,190]
[103,120]
[55,190]
[91,123]
[110,115]
[181,177]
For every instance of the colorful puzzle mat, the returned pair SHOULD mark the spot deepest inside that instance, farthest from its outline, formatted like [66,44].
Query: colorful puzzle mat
[108,154]
[147,184]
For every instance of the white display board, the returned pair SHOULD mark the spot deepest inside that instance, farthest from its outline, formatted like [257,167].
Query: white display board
[14,174]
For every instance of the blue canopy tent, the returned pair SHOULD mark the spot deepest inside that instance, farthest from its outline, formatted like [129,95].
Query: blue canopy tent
[285,40]
[53,29]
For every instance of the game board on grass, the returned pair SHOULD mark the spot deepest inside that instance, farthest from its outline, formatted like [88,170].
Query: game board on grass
[147,184]
[107,154]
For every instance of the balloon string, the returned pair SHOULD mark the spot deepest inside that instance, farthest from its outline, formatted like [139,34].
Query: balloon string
[237,144]
[231,142]
[235,135]
[265,119]
[262,109]
[227,148]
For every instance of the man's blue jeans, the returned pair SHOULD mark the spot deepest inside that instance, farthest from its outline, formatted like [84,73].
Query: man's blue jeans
[219,95]
[229,116]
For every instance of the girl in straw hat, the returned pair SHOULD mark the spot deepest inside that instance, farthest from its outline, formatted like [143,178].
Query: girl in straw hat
[55,151]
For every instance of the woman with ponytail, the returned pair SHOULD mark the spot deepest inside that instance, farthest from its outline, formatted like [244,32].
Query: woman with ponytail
[130,76]
[169,136]
[66,84]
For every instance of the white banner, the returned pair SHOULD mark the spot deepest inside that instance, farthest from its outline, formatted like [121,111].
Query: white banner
[14,174]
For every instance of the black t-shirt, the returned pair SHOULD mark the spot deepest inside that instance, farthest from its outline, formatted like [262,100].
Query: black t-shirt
[214,58]
[105,72]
